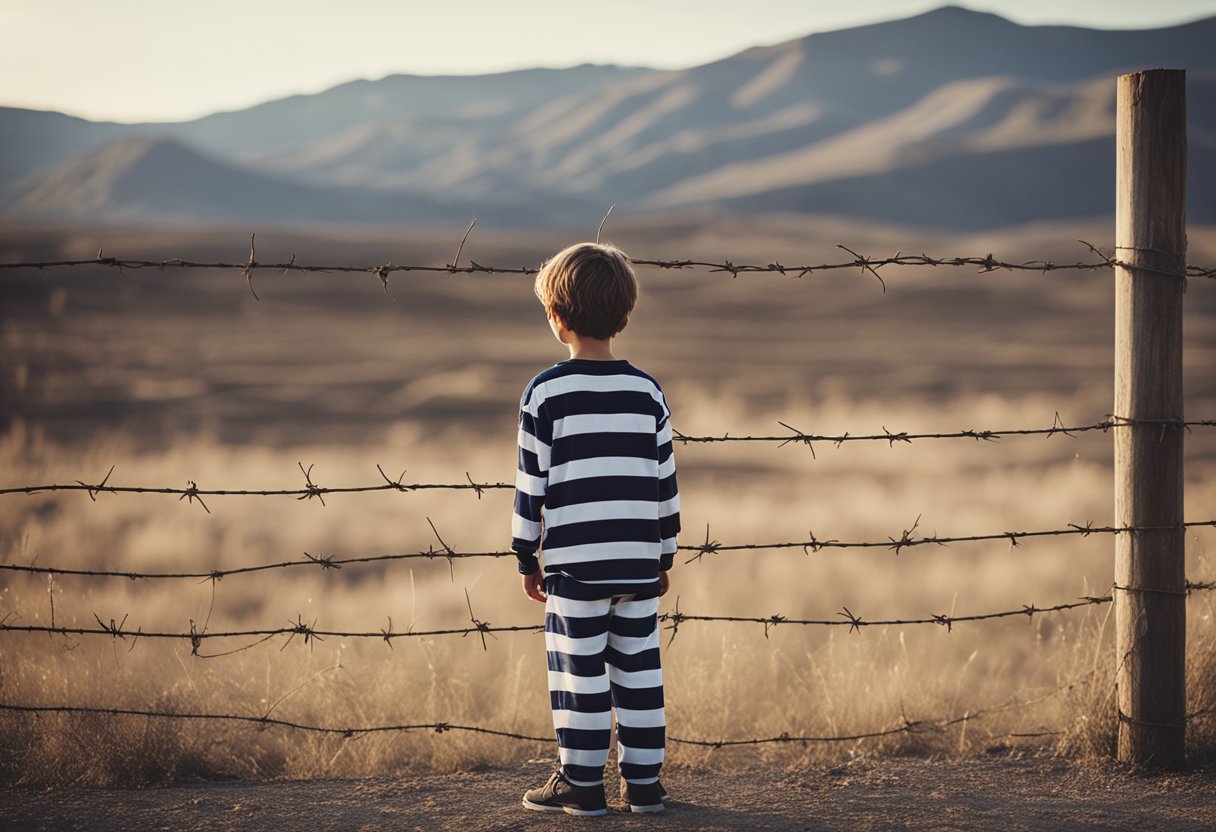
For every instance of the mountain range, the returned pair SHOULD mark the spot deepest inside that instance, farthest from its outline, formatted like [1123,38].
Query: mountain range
[952,119]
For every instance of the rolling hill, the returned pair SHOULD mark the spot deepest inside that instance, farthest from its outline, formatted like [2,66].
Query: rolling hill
[953,119]
[156,179]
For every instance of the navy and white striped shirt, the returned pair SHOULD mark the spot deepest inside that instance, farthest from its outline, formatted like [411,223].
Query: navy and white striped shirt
[595,455]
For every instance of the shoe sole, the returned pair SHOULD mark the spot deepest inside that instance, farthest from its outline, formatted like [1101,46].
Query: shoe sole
[658,807]
[569,810]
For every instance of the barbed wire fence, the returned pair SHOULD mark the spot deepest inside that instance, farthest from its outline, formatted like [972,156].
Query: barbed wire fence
[904,725]
[309,632]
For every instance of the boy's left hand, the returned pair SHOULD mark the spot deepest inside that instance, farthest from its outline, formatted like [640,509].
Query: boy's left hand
[664,583]
[533,586]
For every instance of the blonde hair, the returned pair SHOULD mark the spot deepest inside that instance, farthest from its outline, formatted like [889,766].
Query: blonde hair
[591,287]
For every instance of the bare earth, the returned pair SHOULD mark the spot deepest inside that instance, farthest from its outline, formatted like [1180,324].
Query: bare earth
[1006,793]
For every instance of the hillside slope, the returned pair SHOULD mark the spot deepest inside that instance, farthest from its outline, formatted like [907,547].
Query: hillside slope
[952,118]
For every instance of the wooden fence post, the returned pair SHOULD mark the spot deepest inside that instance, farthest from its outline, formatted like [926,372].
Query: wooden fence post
[1150,581]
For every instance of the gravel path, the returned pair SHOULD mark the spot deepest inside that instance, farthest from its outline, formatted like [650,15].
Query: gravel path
[1003,794]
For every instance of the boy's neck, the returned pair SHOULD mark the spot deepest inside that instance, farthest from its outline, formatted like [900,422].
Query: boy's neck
[590,349]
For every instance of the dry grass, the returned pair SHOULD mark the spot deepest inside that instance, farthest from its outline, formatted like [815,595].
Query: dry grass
[343,387]
[724,681]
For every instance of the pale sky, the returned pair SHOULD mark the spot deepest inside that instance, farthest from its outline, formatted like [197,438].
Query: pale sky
[170,60]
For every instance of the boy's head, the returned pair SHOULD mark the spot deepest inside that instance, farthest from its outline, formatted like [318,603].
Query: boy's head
[591,287]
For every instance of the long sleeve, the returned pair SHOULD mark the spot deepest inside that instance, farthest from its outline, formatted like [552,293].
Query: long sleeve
[531,481]
[669,495]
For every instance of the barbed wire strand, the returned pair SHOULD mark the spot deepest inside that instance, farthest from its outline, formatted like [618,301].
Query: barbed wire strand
[797,436]
[855,622]
[708,547]
[673,620]
[310,489]
[307,492]
[866,265]
[907,540]
[904,726]
[907,726]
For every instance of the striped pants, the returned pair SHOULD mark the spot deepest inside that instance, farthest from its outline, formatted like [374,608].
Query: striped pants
[604,655]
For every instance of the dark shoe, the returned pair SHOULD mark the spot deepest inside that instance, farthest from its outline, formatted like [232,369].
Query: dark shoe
[662,791]
[647,797]
[560,795]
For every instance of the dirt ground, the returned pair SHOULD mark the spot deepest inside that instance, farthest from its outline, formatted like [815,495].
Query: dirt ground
[991,793]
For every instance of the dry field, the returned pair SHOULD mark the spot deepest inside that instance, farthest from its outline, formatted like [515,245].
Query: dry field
[182,376]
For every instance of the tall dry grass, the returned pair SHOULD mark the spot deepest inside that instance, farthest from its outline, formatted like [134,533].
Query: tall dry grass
[723,681]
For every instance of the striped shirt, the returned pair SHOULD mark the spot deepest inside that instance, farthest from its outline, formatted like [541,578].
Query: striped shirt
[596,466]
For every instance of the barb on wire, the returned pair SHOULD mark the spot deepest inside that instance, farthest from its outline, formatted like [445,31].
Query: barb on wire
[387,632]
[905,539]
[476,488]
[482,627]
[453,267]
[1187,271]
[798,437]
[706,548]
[773,620]
[676,618]
[250,265]
[448,552]
[398,485]
[196,638]
[308,631]
[867,265]
[599,229]
[310,489]
[813,544]
[1097,252]
[383,272]
[94,490]
[113,629]
[191,494]
[1057,424]
[324,561]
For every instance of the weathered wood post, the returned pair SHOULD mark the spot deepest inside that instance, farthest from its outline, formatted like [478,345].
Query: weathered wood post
[1150,583]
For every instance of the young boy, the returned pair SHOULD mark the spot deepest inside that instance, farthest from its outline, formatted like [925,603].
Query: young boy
[596,463]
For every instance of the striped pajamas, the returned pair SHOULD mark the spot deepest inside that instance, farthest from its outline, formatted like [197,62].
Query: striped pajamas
[596,493]
[603,656]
